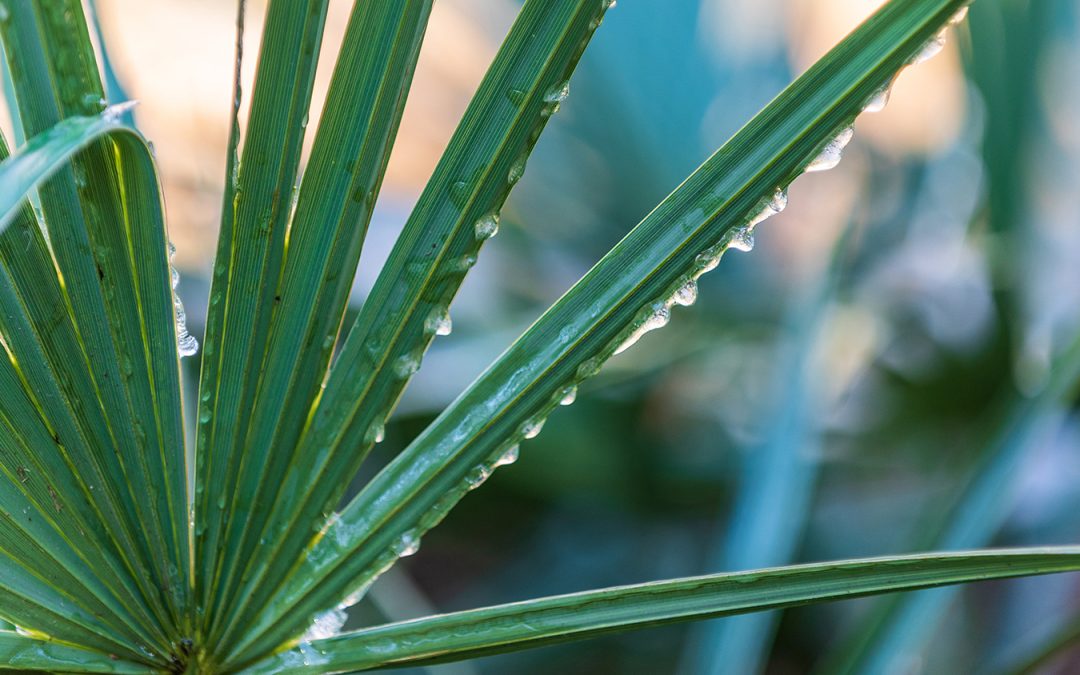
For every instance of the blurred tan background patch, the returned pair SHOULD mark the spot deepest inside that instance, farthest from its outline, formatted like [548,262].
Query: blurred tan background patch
[184,93]
[176,58]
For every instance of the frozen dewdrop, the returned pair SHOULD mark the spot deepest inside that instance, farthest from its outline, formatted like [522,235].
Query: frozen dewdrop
[831,153]
[707,260]
[741,239]
[408,544]
[517,170]
[777,204]
[960,15]
[558,93]
[463,264]
[878,101]
[610,4]
[554,98]
[406,365]
[376,434]
[114,112]
[568,395]
[477,476]
[659,318]
[487,227]
[686,294]
[779,201]
[929,50]
[509,456]
[186,344]
[326,625]
[532,428]
[439,322]
[589,367]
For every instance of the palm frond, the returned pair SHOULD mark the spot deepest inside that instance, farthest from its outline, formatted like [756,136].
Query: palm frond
[630,291]
[532,623]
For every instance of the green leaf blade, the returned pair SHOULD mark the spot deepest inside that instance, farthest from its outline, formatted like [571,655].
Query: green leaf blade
[533,623]
[611,304]
[333,207]
[50,453]
[251,247]
[117,291]
[30,653]
[498,130]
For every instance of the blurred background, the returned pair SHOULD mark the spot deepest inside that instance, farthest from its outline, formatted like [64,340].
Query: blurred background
[872,379]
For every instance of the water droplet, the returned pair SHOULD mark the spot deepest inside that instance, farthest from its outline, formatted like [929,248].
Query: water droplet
[741,239]
[186,344]
[589,367]
[558,93]
[830,154]
[554,97]
[487,227]
[376,434]
[880,99]
[775,206]
[439,322]
[5,15]
[477,476]
[221,502]
[406,365]
[707,260]
[463,264]
[325,625]
[509,456]
[929,50]
[114,112]
[532,428]
[459,193]
[568,395]
[609,4]
[686,294]
[658,317]
[517,170]
[515,95]
[408,544]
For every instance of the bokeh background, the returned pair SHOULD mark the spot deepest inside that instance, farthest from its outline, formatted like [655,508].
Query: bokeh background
[835,393]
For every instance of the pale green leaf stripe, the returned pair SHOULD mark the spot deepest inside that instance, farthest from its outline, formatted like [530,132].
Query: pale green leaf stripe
[573,338]
[22,652]
[352,146]
[89,208]
[485,156]
[246,272]
[534,623]
[31,303]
